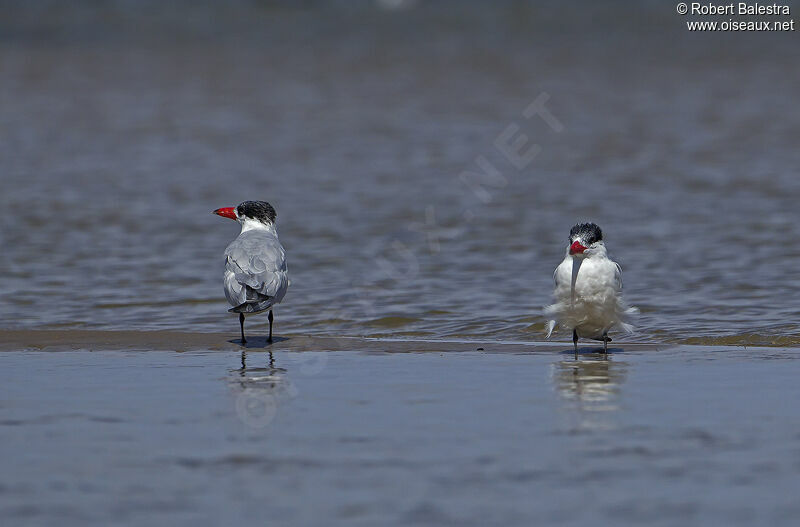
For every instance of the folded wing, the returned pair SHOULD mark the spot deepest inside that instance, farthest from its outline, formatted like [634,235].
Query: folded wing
[256,276]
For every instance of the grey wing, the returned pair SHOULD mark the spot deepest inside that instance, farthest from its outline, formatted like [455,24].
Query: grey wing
[618,276]
[255,270]
[556,273]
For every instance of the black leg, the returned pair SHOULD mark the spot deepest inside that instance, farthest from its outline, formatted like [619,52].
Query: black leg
[241,323]
[605,344]
[575,342]
[269,339]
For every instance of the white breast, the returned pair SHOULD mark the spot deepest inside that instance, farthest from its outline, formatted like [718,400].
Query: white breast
[588,300]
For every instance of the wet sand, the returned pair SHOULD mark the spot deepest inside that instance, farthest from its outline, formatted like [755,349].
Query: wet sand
[149,428]
[59,340]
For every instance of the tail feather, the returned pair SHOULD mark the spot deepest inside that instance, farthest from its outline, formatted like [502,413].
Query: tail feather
[252,307]
[550,325]
[627,328]
[255,303]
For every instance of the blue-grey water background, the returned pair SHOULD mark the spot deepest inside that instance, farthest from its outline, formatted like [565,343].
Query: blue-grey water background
[123,124]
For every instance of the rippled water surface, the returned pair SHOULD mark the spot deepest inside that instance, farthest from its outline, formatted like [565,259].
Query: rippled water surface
[120,130]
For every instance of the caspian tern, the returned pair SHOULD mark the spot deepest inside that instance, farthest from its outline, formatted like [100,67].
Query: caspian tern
[588,291]
[256,277]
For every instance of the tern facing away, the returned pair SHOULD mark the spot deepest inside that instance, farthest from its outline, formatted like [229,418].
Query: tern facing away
[588,291]
[255,277]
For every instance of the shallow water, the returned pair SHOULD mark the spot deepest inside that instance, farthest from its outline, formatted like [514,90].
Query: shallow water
[202,438]
[120,133]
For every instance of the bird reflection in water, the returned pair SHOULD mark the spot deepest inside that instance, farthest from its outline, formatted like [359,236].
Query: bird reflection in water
[260,390]
[590,386]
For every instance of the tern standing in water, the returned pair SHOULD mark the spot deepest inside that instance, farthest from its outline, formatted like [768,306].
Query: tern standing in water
[588,292]
[256,277]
